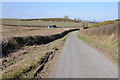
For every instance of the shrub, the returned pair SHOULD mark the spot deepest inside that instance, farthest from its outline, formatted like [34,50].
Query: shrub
[104,23]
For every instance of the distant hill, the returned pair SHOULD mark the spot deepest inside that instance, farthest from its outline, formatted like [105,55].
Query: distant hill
[60,22]
[104,23]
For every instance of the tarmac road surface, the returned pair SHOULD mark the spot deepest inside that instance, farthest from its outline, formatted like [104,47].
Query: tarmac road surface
[78,60]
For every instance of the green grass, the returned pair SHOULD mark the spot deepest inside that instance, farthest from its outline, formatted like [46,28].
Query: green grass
[83,38]
[44,23]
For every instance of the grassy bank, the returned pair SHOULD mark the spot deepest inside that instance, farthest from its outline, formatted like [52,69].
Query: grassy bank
[104,23]
[107,42]
[24,65]
[14,43]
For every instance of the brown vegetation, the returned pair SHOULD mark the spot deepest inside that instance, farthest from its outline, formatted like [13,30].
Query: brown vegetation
[52,19]
[103,37]
[104,23]
[10,31]
[15,43]
[103,30]
[29,61]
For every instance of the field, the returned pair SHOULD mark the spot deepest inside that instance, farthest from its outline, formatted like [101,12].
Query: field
[45,22]
[104,38]
[15,27]
[29,56]
[11,31]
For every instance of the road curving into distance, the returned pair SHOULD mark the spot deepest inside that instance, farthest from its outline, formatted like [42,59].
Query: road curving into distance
[78,60]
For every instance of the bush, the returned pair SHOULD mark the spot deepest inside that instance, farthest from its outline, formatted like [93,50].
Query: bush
[104,23]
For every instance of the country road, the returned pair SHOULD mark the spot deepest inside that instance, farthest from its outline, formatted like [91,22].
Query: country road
[78,60]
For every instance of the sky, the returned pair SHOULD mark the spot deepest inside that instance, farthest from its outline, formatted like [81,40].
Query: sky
[99,11]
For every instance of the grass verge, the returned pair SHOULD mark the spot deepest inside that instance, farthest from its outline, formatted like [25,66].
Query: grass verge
[106,44]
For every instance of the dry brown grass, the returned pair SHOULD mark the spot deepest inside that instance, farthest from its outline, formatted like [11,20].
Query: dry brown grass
[21,64]
[104,37]
[9,31]
[103,30]
[12,44]
[104,23]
